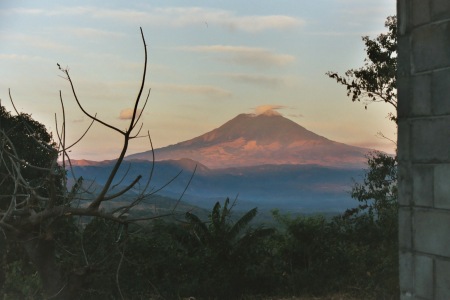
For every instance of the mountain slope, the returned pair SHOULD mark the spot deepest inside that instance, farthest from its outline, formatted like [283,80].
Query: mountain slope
[250,140]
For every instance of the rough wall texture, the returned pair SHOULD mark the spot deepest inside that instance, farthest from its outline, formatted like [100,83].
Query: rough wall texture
[424,148]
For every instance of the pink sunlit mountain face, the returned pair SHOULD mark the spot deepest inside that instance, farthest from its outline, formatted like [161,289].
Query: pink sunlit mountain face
[268,138]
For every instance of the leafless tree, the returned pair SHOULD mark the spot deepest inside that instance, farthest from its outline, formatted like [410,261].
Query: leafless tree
[32,210]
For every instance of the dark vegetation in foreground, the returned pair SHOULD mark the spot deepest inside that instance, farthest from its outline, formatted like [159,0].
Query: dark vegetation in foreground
[222,257]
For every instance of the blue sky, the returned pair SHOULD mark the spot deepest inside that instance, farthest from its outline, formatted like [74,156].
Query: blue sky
[208,62]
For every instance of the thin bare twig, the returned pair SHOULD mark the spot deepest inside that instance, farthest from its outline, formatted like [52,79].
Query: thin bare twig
[96,203]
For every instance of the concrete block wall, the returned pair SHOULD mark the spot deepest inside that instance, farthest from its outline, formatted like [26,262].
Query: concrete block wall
[424,148]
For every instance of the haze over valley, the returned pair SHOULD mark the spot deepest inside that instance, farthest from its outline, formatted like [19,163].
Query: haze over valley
[265,160]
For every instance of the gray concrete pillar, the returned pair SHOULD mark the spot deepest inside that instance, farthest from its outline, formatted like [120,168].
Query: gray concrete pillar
[424,148]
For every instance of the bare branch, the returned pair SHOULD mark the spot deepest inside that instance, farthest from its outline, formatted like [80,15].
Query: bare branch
[143,107]
[96,203]
[129,187]
[185,188]
[136,104]
[84,111]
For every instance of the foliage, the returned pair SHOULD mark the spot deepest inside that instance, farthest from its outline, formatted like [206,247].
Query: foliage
[356,252]
[378,193]
[371,229]
[376,80]
[28,140]
[18,277]
[376,218]
[229,254]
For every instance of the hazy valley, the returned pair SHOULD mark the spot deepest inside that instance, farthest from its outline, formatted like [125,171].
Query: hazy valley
[265,160]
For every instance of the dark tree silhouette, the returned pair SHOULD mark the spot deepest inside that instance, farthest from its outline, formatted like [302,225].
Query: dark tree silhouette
[376,80]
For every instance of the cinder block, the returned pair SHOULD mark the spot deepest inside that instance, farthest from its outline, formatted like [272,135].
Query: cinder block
[442,186]
[404,228]
[405,183]
[423,185]
[421,98]
[406,270]
[423,276]
[430,139]
[441,90]
[431,231]
[442,279]
[420,12]
[440,10]
[403,15]
[430,47]
[403,59]
[405,93]
[403,141]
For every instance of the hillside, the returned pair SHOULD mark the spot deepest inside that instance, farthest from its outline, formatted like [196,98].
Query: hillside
[250,140]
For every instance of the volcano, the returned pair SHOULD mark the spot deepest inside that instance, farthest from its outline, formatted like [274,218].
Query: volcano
[267,138]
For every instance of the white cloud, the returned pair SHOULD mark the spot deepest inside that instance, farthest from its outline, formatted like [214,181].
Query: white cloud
[273,110]
[36,41]
[246,55]
[182,16]
[19,57]
[92,33]
[24,11]
[203,90]
[177,17]
[268,109]
[262,80]
[260,23]
[335,33]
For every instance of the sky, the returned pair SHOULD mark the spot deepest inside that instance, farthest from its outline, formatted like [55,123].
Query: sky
[208,61]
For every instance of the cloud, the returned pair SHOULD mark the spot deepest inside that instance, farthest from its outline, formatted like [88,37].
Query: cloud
[176,17]
[263,80]
[36,41]
[203,90]
[182,16]
[270,109]
[246,55]
[21,57]
[260,23]
[127,113]
[92,33]
[23,11]
[335,33]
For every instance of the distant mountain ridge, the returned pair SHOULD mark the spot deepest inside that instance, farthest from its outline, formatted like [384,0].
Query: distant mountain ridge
[267,138]
[296,188]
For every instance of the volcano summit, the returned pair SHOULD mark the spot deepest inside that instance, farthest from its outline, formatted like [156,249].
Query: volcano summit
[267,138]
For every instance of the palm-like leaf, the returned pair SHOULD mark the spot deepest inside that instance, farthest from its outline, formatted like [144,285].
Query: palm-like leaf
[199,227]
[242,223]
[215,217]
[225,212]
[222,237]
